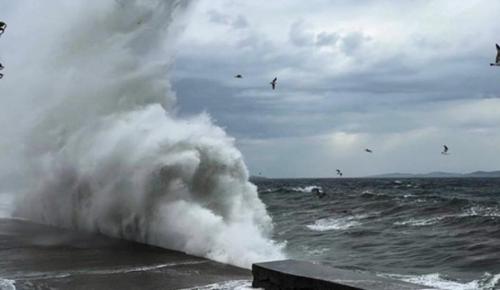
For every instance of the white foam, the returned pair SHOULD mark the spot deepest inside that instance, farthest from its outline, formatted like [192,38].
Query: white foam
[483,211]
[475,211]
[228,285]
[103,148]
[420,222]
[436,280]
[329,224]
[313,251]
[6,284]
[269,190]
[306,189]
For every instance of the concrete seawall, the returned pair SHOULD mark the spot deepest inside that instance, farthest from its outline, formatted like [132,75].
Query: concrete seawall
[295,275]
[34,256]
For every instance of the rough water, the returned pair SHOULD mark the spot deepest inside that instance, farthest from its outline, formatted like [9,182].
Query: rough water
[437,232]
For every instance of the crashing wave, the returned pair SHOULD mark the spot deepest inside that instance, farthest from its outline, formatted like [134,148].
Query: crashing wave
[106,152]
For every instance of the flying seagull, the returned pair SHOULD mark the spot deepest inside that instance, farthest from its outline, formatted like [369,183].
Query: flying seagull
[445,150]
[273,83]
[3,26]
[1,68]
[497,60]
[238,76]
[339,173]
[368,150]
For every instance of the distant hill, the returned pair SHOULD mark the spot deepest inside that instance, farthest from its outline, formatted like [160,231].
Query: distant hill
[438,174]
[484,174]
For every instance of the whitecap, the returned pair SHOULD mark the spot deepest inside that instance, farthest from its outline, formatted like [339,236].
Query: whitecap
[475,211]
[483,211]
[6,284]
[420,222]
[228,285]
[329,224]
[306,189]
[486,282]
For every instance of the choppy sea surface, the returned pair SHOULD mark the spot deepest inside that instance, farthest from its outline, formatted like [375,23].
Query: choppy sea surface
[437,232]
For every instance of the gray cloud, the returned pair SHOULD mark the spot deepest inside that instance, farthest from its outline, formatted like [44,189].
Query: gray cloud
[236,22]
[400,76]
[218,17]
[299,34]
[352,42]
[240,22]
[396,78]
[327,38]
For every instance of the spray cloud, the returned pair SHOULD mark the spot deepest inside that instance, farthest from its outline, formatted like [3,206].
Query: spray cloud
[103,150]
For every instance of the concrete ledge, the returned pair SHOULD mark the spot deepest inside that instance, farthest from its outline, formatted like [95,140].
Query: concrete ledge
[40,257]
[293,274]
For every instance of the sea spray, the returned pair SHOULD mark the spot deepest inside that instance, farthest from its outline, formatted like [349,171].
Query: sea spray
[105,152]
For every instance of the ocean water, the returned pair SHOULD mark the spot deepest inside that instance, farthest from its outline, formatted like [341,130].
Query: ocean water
[437,232]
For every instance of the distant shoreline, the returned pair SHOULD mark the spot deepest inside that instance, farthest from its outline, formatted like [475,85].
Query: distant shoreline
[475,174]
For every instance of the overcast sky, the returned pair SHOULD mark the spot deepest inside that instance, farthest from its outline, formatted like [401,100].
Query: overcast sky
[400,78]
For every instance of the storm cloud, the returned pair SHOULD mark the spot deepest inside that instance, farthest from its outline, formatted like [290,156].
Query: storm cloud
[402,78]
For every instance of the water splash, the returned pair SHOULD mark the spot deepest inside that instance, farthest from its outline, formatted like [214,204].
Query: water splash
[105,151]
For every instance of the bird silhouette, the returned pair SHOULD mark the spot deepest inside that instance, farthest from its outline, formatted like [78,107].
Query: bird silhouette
[3,26]
[497,59]
[273,83]
[445,150]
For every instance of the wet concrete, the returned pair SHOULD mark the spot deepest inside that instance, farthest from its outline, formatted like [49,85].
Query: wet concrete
[294,275]
[42,257]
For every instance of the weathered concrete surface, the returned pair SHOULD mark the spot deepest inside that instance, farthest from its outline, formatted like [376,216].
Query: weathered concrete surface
[293,274]
[41,257]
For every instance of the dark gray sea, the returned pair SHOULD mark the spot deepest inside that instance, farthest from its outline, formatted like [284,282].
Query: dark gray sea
[438,232]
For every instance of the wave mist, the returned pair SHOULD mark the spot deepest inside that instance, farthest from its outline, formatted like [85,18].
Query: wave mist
[104,151]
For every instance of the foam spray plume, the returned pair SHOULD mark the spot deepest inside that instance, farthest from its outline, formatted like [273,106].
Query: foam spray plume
[106,153]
